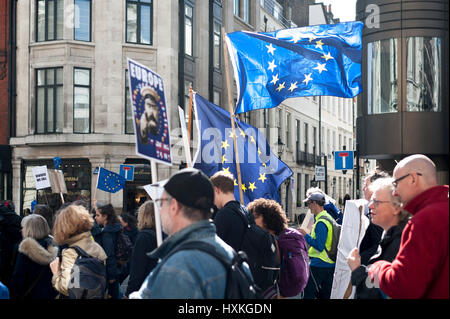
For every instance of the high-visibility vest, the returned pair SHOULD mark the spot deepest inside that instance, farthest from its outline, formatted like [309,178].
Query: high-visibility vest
[314,253]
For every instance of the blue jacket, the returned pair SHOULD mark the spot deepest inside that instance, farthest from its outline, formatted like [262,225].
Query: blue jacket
[334,212]
[187,274]
[109,237]
[4,292]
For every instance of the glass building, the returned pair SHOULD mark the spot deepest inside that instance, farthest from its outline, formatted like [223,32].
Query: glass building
[404,107]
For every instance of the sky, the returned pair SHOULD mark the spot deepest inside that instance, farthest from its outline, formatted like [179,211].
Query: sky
[343,9]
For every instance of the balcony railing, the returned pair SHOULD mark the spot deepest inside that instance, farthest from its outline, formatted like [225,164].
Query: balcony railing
[308,158]
[276,10]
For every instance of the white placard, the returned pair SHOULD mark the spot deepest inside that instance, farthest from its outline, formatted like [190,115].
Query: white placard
[308,222]
[41,177]
[184,133]
[352,222]
[319,173]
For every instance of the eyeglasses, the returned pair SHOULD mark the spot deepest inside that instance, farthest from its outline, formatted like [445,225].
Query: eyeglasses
[377,202]
[159,201]
[395,183]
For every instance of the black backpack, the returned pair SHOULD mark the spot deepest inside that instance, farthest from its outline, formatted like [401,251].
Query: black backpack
[87,277]
[261,249]
[124,248]
[239,284]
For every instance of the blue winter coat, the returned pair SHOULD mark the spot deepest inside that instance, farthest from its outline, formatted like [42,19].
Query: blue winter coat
[109,236]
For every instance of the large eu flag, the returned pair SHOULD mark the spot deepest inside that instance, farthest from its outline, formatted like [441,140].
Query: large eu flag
[315,60]
[261,171]
[109,181]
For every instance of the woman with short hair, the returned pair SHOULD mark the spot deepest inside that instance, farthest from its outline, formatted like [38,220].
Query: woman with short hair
[32,276]
[388,214]
[72,228]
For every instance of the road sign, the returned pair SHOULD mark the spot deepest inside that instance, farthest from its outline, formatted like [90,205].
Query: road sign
[127,171]
[319,173]
[343,160]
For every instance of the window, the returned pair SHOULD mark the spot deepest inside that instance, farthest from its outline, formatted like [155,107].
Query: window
[297,141]
[49,20]
[49,100]
[299,189]
[328,143]
[423,74]
[81,100]
[188,29]
[217,44]
[314,140]
[216,97]
[305,137]
[382,76]
[129,123]
[139,21]
[82,20]
[242,9]
[288,130]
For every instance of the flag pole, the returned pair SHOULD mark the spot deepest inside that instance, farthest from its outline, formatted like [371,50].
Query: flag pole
[190,115]
[232,115]
[157,212]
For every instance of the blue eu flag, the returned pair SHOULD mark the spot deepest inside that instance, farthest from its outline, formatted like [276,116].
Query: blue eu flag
[109,181]
[261,171]
[314,60]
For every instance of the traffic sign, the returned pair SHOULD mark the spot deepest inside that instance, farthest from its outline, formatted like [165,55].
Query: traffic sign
[343,160]
[127,171]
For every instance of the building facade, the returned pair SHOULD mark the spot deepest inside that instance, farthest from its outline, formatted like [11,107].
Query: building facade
[73,100]
[404,109]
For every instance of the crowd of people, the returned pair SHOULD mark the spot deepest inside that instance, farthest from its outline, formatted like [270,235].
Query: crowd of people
[404,252]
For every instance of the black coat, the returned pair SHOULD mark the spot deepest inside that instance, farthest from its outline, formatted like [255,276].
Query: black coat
[229,225]
[140,264]
[32,270]
[10,237]
[369,243]
[109,236]
[387,250]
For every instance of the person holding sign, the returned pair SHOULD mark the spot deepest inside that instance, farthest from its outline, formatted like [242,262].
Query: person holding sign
[386,213]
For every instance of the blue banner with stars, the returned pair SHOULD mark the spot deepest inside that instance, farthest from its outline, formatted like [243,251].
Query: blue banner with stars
[109,181]
[261,171]
[308,61]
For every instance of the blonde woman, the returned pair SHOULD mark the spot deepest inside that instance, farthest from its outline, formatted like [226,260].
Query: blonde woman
[140,264]
[386,213]
[72,228]
[32,276]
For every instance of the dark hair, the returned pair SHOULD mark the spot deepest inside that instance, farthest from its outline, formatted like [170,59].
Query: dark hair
[274,217]
[45,212]
[81,202]
[108,210]
[223,181]
[129,219]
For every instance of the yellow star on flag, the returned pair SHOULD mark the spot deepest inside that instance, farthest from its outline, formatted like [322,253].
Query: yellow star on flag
[225,144]
[311,38]
[259,151]
[264,164]
[252,139]
[227,170]
[327,56]
[224,159]
[232,135]
[243,187]
[235,183]
[252,186]
[242,133]
[319,44]
[262,177]
[274,79]
[280,87]
[293,86]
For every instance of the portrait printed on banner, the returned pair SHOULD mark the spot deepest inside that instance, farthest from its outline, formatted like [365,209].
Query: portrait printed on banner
[150,113]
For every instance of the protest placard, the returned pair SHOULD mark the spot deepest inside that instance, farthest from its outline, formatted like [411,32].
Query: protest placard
[41,178]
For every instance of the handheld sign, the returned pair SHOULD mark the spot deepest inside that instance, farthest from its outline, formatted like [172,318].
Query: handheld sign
[151,123]
[41,177]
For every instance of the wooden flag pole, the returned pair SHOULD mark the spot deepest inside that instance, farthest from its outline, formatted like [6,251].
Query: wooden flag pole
[232,116]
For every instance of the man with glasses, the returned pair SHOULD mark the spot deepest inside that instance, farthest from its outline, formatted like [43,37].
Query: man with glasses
[421,268]
[186,206]
[322,267]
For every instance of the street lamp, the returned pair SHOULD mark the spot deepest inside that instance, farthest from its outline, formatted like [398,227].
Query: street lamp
[367,165]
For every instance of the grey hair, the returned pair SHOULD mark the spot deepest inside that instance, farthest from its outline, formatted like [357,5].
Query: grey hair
[385,184]
[35,226]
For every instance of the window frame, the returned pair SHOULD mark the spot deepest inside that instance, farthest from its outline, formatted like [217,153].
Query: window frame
[46,87]
[139,4]
[56,36]
[90,99]
[90,22]
[191,19]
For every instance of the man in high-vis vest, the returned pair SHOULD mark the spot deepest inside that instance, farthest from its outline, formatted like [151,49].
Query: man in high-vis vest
[321,266]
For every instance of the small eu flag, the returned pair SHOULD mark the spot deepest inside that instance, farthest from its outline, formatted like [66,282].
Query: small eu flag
[261,171]
[308,61]
[109,181]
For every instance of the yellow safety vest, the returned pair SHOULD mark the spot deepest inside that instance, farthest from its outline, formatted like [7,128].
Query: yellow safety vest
[314,253]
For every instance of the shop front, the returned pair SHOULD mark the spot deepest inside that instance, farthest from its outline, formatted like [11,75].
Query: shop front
[134,194]
[77,176]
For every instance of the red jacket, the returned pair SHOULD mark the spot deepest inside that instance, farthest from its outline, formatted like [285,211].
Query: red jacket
[420,269]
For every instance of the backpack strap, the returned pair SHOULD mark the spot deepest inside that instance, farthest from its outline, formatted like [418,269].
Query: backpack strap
[80,251]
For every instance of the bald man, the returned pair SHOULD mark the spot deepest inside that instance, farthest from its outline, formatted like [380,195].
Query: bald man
[421,268]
